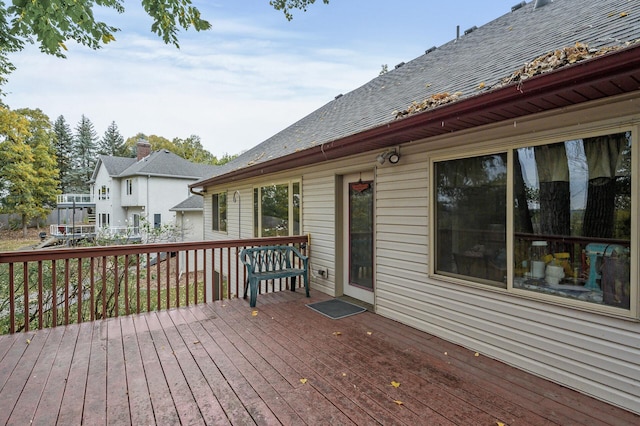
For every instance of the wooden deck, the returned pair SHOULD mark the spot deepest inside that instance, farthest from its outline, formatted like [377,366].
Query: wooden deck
[219,364]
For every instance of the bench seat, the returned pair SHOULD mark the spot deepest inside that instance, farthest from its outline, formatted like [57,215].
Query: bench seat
[273,262]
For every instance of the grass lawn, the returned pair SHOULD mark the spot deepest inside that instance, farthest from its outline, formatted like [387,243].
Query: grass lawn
[13,240]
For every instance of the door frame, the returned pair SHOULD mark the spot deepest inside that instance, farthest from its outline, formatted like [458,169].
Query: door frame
[357,292]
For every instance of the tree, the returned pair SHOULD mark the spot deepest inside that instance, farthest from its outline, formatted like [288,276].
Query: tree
[287,5]
[28,176]
[190,148]
[16,163]
[112,143]
[84,148]
[52,23]
[46,174]
[64,151]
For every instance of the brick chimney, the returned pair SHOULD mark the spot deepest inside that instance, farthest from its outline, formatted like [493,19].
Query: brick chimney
[143,149]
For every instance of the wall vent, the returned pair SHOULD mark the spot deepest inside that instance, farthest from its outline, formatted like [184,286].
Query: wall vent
[429,50]
[399,65]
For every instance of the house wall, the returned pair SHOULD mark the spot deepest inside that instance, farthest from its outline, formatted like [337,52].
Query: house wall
[111,205]
[595,353]
[160,194]
[189,225]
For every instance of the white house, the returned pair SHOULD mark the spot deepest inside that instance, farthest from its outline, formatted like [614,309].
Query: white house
[491,204]
[128,191]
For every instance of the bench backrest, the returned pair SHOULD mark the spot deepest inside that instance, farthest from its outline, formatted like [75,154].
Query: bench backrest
[269,258]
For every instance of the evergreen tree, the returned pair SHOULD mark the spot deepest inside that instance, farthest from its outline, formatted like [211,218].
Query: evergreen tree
[64,152]
[84,150]
[112,143]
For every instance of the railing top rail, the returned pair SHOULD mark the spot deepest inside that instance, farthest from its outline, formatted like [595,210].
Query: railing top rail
[121,250]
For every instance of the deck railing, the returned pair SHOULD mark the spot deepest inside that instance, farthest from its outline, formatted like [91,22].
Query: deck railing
[75,198]
[67,230]
[47,288]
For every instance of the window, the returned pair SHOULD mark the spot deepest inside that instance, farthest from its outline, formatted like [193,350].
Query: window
[471,196]
[219,208]
[104,219]
[571,218]
[128,186]
[103,193]
[157,221]
[276,210]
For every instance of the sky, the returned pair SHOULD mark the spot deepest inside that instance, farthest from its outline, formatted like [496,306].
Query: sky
[253,74]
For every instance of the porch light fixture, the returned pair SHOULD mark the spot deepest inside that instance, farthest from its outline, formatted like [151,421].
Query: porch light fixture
[392,155]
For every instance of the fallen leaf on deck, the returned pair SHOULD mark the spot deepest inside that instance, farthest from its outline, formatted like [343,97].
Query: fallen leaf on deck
[303,381]
[28,341]
[398,402]
[623,14]
[369,333]
[476,354]
[500,424]
[344,374]
[196,342]
[337,333]
[395,384]
[254,313]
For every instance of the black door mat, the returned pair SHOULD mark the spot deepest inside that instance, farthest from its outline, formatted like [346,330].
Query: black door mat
[336,308]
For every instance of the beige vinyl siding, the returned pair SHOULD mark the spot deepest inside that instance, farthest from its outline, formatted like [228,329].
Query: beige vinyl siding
[401,227]
[318,219]
[588,351]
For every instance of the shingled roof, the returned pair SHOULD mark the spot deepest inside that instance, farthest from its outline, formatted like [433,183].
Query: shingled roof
[193,203]
[159,163]
[472,67]
[166,163]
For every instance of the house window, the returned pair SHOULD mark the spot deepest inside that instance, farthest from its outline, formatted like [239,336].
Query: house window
[219,208]
[104,219]
[128,186]
[471,197]
[157,221]
[571,219]
[276,210]
[103,193]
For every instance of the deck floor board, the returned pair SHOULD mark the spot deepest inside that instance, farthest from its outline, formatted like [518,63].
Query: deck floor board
[219,364]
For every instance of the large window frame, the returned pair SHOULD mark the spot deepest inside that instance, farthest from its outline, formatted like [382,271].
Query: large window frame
[270,216]
[511,284]
[219,208]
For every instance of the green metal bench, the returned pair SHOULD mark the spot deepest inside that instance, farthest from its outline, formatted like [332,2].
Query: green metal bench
[273,262]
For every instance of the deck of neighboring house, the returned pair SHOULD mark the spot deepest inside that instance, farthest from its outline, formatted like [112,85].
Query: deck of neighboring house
[220,363]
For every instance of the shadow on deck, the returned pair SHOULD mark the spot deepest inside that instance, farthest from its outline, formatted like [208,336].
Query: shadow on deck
[221,364]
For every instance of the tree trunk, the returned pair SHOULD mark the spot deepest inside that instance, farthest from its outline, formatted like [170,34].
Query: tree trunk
[24,226]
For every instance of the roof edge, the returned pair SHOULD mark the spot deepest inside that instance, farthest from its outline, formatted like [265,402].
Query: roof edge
[403,130]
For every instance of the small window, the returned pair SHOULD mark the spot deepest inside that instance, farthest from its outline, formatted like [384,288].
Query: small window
[129,186]
[219,208]
[157,221]
[277,210]
[103,193]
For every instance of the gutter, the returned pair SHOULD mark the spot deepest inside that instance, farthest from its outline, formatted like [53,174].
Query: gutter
[620,70]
